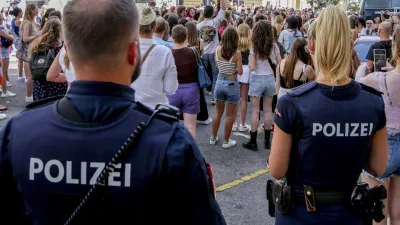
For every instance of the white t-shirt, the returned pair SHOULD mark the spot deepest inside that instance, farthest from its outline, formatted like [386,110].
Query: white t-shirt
[209,32]
[262,66]
[70,72]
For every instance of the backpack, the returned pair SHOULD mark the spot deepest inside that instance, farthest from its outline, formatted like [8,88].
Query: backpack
[40,63]
[4,41]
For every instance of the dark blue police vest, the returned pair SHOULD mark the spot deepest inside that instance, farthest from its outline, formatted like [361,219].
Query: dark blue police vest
[65,158]
[334,133]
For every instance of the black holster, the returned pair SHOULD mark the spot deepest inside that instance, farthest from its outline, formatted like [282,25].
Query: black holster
[369,202]
[279,196]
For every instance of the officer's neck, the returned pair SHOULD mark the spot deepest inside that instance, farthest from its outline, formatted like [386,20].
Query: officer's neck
[327,80]
[115,75]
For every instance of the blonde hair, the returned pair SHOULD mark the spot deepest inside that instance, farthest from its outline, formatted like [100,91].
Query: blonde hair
[333,47]
[244,37]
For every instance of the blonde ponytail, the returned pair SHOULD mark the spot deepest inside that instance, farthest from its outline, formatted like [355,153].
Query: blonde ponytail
[333,47]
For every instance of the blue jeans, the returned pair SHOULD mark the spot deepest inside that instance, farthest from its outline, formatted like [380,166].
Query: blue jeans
[262,86]
[209,60]
[393,164]
[227,90]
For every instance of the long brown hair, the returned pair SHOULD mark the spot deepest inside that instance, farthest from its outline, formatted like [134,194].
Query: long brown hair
[193,34]
[46,16]
[29,14]
[263,39]
[229,43]
[51,35]
[297,52]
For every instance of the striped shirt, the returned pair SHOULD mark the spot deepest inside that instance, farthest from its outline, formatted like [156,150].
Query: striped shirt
[225,67]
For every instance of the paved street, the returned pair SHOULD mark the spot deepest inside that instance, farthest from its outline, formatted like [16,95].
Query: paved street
[240,175]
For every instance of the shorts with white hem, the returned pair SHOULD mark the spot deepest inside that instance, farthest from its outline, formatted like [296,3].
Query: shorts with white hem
[393,164]
[262,86]
[245,77]
[4,53]
[227,90]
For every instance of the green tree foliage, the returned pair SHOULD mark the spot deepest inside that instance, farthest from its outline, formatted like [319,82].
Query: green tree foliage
[323,3]
[354,7]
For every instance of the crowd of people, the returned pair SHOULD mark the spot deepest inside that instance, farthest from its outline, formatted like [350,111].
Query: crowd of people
[259,57]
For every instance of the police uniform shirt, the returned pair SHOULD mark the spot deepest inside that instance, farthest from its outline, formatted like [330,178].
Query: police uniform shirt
[332,129]
[48,164]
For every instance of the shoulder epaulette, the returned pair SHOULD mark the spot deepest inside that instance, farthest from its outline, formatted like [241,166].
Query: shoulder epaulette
[371,90]
[43,102]
[303,89]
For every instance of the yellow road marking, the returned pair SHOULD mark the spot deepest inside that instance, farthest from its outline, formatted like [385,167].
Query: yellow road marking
[241,180]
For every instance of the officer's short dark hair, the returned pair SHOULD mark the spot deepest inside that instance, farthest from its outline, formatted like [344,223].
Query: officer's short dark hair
[292,22]
[179,34]
[111,23]
[208,12]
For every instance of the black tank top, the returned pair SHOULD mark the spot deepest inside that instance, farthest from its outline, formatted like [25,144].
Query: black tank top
[296,83]
[245,57]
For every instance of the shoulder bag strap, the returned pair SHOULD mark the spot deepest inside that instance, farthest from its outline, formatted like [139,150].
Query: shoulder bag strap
[147,53]
[68,111]
[198,60]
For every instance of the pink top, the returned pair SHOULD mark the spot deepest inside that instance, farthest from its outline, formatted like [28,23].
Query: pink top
[389,84]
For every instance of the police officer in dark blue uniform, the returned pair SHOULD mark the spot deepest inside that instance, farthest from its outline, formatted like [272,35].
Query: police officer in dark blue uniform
[52,154]
[326,132]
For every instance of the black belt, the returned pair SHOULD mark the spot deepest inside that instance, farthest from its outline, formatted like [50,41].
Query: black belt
[326,197]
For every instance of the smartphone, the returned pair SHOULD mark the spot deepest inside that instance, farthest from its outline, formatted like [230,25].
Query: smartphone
[379,59]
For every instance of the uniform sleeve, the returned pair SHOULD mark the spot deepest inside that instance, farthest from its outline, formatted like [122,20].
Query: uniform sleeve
[11,202]
[191,191]
[286,114]
[382,116]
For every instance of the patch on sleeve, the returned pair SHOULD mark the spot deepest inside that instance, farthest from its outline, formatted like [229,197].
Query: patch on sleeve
[211,179]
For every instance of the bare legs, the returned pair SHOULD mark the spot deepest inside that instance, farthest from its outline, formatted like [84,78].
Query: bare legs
[5,63]
[244,91]
[190,122]
[230,115]
[29,81]
[20,68]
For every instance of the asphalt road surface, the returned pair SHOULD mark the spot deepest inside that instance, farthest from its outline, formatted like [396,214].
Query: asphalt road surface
[240,175]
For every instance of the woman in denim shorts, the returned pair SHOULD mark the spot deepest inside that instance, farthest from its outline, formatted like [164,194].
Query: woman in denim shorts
[263,55]
[229,61]
[389,84]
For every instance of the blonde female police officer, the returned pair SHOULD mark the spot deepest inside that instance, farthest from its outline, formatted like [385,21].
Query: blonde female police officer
[45,174]
[327,131]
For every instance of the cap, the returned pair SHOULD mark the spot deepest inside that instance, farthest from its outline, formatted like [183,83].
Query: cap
[147,16]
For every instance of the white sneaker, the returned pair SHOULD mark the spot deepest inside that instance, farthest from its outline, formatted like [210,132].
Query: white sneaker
[29,99]
[243,128]
[8,94]
[213,141]
[234,127]
[208,121]
[3,116]
[21,79]
[212,102]
[9,84]
[229,144]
